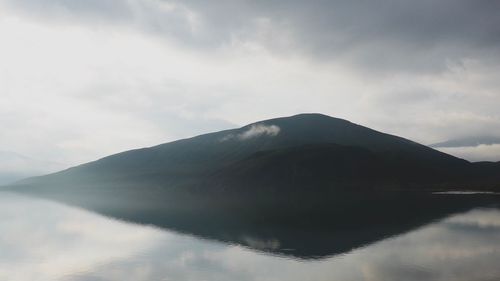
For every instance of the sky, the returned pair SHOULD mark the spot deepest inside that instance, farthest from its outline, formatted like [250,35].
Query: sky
[80,80]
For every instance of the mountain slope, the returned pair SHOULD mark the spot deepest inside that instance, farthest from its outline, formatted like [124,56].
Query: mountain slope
[184,162]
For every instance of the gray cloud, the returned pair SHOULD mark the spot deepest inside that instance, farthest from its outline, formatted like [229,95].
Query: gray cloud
[468,142]
[425,70]
[475,153]
[164,18]
[379,36]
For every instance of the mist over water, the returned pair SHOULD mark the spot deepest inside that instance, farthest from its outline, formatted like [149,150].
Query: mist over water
[42,240]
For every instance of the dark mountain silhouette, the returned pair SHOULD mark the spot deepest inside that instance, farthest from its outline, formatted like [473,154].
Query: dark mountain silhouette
[290,179]
[325,152]
[216,157]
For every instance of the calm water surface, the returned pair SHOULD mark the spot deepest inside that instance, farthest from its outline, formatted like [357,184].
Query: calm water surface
[41,240]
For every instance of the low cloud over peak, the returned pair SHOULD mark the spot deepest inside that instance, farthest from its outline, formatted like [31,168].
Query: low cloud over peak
[254,131]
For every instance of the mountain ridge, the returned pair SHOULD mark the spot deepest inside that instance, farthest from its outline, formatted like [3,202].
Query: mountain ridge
[209,158]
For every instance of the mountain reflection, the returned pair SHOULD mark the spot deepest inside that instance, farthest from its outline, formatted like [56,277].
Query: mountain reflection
[40,240]
[292,225]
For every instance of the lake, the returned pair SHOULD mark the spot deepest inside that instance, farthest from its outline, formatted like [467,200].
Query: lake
[44,240]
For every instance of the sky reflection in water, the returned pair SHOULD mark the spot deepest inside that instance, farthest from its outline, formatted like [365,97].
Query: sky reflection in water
[41,240]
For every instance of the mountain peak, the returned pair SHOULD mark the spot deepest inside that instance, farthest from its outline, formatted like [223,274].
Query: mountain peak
[314,115]
[305,117]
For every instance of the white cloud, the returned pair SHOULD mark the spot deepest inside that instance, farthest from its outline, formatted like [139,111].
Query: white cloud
[259,130]
[254,131]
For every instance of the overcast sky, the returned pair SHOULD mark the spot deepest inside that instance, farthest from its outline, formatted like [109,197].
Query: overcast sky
[81,79]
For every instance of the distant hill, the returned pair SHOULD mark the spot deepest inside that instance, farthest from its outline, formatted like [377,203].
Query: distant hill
[14,166]
[468,142]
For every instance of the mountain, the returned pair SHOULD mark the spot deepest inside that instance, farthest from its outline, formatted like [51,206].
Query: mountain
[314,149]
[310,156]
[283,178]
